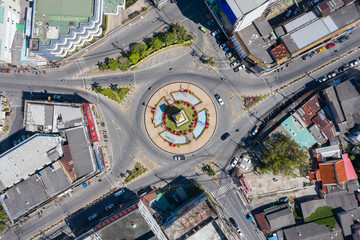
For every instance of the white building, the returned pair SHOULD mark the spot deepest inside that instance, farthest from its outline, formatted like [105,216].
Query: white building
[9,17]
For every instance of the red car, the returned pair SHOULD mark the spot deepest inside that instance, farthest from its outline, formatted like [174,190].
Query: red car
[330,45]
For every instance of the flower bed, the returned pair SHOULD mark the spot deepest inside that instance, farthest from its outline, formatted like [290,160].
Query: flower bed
[138,170]
[249,102]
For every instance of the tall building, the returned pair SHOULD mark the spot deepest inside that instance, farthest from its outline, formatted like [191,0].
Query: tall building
[9,17]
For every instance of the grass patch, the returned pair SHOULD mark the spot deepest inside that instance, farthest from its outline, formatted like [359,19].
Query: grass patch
[323,216]
[297,216]
[3,215]
[175,108]
[3,227]
[250,102]
[137,171]
[129,3]
[115,93]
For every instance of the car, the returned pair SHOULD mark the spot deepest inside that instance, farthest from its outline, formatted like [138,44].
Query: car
[288,14]
[246,159]
[227,48]
[58,97]
[234,161]
[15,143]
[342,69]
[283,200]
[179,157]
[228,54]
[331,75]
[239,232]
[342,39]
[307,56]
[218,98]
[322,79]
[320,50]
[107,208]
[330,45]
[354,63]
[210,22]
[203,29]
[234,64]
[19,140]
[254,131]
[92,217]
[246,168]
[233,222]
[216,32]
[23,137]
[225,136]
[222,46]
[296,11]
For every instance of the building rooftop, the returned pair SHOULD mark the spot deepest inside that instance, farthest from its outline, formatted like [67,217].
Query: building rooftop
[280,219]
[25,158]
[309,109]
[311,231]
[51,117]
[54,179]
[333,152]
[80,151]
[300,21]
[210,231]
[279,52]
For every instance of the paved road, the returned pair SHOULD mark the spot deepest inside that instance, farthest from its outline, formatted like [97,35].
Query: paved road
[126,132]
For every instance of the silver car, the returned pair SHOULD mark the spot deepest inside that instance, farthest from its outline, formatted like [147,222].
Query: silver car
[234,161]
[218,98]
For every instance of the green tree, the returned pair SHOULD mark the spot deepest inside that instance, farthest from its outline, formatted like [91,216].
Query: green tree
[103,67]
[284,156]
[113,64]
[180,33]
[140,49]
[168,38]
[134,57]
[156,44]
[124,64]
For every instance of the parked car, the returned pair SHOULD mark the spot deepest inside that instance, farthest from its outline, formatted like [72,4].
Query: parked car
[234,161]
[225,136]
[216,32]
[322,79]
[342,39]
[239,232]
[210,22]
[342,69]
[227,48]
[179,157]
[218,98]
[246,168]
[234,64]
[320,50]
[354,63]
[307,56]
[15,143]
[236,69]
[246,159]
[92,217]
[296,11]
[58,97]
[254,131]
[233,222]
[222,46]
[288,14]
[331,75]
[283,200]
[228,54]
[203,29]
[330,45]
[23,137]
[107,208]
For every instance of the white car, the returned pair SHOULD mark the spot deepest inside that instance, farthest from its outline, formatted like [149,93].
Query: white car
[218,98]
[222,46]
[239,232]
[353,63]
[322,79]
[331,75]
[244,167]
[234,161]
[216,32]
[228,54]
[234,64]
[246,159]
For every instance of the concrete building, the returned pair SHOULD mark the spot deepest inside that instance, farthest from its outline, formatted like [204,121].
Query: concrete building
[9,17]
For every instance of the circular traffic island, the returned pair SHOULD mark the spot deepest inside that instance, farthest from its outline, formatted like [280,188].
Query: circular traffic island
[180,118]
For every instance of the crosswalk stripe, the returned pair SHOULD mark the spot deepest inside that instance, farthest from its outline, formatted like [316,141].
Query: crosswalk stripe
[82,64]
[222,190]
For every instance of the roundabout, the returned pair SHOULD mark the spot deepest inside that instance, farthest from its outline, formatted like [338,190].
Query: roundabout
[180,118]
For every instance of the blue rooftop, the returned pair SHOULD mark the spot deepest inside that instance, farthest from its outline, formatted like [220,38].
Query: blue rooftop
[300,134]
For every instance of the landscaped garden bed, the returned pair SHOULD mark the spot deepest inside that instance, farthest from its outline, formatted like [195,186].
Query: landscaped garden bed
[249,102]
[117,94]
[138,170]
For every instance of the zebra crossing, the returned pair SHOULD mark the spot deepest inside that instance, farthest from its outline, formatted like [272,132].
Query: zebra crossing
[222,190]
[82,65]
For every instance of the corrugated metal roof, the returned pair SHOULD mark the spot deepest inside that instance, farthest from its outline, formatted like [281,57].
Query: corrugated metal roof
[301,21]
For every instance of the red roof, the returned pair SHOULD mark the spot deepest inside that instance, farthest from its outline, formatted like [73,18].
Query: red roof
[327,173]
[279,52]
[309,109]
[324,124]
[349,168]
[340,171]
[263,222]
[67,163]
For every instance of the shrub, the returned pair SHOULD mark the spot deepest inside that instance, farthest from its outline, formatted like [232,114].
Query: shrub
[140,49]
[103,67]
[134,57]
[113,64]
[124,63]
[168,38]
